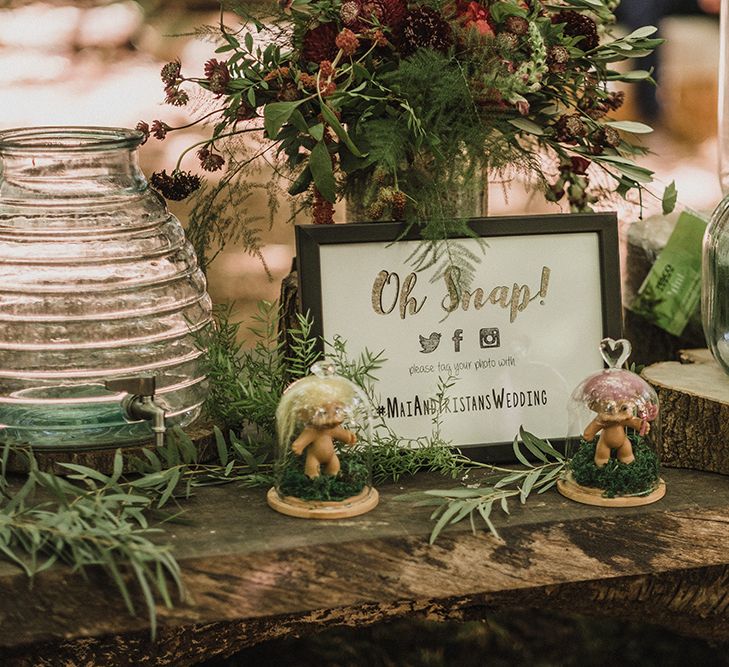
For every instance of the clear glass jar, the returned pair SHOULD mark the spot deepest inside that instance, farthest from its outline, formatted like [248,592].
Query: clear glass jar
[615,436]
[715,261]
[97,283]
[323,464]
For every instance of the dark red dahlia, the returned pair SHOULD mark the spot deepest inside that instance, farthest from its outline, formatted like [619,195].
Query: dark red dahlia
[320,43]
[579,25]
[425,28]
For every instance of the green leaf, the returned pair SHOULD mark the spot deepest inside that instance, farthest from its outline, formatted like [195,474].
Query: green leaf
[276,114]
[169,489]
[450,511]
[299,122]
[153,459]
[543,445]
[670,196]
[533,448]
[500,10]
[317,131]
[456,493]
[509,479]
[302,182]
[221,445]
[529,481]
[332,120]
[645,31]
[320,163]
[519,455]
[527,126]
[630,126]
[633,75]
[118,467]
[248,39]
[485,512]
[85,471]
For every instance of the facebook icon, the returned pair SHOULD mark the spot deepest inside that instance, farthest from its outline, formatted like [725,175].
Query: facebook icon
[457,338]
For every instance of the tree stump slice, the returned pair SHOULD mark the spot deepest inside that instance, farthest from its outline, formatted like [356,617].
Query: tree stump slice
[201,434]
[694,398]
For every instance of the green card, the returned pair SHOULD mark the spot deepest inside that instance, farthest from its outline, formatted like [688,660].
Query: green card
[670,293]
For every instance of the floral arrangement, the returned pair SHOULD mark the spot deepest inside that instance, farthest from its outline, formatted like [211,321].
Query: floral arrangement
[402,106]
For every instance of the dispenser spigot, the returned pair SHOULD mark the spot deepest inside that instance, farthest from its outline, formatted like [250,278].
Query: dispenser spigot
[139,402]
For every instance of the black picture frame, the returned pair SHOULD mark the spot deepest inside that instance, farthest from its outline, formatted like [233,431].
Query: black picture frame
[310,239]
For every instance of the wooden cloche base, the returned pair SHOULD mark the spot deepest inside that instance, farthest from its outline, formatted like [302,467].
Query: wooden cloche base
[363,502]
[588,495]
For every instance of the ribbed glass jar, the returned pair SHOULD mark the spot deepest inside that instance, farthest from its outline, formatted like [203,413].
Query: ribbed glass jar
[97,282]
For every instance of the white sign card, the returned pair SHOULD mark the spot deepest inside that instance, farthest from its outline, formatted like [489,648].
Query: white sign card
[517,340]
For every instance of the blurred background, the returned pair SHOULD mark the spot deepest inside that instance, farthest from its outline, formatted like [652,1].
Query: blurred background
[97,62]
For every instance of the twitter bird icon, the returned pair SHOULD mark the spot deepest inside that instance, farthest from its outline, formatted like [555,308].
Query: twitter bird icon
[430,343]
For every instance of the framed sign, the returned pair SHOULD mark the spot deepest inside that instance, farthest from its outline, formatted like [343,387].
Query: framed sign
[517,339]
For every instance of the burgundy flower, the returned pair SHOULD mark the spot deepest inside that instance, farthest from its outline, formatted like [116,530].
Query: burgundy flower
[175,186]
[321,209]
[425,28]
[144,129]
[210,161]
[569,128]
[579,164]
[320,43]
[218,76]
[578,25]
[170,73]
[607,137]
[176,96]
[159,129]
[360,15]
[615,100]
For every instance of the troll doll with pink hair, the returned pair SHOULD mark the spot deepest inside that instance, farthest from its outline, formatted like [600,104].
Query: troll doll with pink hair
[619,400]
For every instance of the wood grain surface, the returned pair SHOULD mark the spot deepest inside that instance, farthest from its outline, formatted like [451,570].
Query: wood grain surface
[694,398]
[254,575]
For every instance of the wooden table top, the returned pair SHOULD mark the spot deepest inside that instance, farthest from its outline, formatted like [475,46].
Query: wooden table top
[254,574]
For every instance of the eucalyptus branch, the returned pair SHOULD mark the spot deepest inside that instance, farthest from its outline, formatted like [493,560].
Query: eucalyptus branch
[479,500]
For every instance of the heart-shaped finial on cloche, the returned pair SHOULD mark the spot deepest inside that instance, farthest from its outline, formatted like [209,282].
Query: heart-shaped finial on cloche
[615,352]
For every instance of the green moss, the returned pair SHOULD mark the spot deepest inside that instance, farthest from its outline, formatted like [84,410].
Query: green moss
[352,478]
[616,478]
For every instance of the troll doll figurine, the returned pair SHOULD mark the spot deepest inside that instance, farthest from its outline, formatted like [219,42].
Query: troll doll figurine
[621,399]
[319,403]
[624,415]
[615,396]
